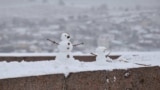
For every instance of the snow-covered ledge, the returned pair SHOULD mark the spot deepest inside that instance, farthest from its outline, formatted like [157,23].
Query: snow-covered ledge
[24,69]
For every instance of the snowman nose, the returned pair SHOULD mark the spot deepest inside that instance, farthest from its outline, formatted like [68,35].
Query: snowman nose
[68,36]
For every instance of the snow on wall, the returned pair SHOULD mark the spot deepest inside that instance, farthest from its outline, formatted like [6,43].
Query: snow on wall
[23,69]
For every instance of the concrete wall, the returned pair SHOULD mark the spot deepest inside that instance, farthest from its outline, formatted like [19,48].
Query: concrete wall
[40,58]
[146,78]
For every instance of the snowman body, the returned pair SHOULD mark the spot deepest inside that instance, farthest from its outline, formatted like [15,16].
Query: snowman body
[65,46]
[101,57]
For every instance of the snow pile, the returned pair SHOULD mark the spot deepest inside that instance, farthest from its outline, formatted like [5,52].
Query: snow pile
[23,69]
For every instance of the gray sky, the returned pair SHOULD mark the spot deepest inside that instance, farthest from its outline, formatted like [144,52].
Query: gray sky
[111,3]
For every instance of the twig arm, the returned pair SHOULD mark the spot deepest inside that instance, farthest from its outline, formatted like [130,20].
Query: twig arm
[108,53]
[78,44]
[93,54]
[54,42]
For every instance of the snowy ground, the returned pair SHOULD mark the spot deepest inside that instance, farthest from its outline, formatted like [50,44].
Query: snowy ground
[23,69]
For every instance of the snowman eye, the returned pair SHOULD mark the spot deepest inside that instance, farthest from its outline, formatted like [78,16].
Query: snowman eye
[68,37]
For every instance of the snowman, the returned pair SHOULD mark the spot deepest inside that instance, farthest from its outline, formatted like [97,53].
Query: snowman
[65,47]
[101,57]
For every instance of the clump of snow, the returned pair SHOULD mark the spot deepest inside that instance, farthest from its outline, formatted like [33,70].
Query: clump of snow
[127,74]
[114,79]
[127,60]
[107,80]
[65,62]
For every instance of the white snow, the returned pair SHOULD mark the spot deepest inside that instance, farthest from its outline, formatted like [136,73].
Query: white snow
[24,69]
[126,74]
[65,44]
[101,56]
[107,80]
[114,79]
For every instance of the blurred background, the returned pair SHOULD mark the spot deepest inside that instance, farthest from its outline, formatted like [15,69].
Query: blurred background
[120,25]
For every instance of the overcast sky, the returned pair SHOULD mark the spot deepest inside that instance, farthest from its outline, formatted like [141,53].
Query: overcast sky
[110,3]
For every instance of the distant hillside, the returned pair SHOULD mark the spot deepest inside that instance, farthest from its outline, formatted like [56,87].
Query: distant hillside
[25,25]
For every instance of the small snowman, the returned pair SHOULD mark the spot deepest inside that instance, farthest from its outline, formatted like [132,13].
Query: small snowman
[65,47]
[101,56]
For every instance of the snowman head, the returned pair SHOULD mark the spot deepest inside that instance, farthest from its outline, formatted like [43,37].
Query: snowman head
[65,36]
[100,50]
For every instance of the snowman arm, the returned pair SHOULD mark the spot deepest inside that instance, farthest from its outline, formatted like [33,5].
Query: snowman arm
[53,42]
[78,44]
[93,54]
[108,53]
